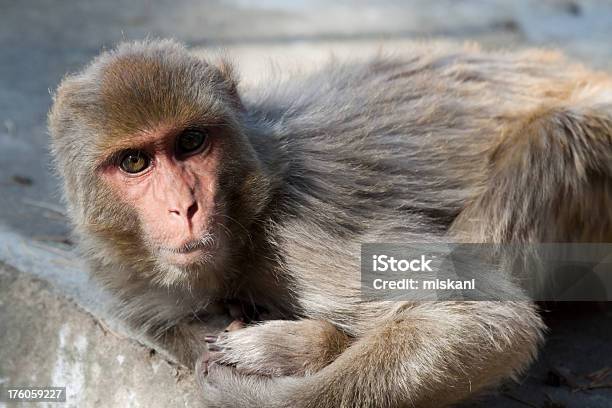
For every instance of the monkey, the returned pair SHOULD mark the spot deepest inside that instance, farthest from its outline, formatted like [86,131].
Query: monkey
[187,190]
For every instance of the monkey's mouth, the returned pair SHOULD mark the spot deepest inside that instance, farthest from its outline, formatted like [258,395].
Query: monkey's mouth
[191,250]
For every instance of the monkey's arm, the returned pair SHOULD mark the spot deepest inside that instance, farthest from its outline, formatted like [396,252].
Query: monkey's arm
[429,354]
[548,176]
[281,348]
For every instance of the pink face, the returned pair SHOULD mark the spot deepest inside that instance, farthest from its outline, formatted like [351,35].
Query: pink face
[170,178]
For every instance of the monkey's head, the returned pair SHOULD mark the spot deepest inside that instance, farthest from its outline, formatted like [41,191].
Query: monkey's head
[159,175]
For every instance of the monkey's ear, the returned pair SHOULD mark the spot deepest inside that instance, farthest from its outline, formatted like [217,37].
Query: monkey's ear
[228,72]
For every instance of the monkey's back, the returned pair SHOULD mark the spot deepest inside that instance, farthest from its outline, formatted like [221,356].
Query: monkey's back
[413,132]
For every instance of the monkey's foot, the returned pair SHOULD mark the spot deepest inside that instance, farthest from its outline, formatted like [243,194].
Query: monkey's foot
[276,348]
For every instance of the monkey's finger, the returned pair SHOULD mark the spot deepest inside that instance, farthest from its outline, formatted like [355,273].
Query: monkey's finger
[211,339]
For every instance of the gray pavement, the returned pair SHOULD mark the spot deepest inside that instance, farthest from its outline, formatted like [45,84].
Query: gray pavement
[41,40]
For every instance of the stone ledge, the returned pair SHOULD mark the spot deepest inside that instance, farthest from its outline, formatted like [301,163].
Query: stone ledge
[48,341]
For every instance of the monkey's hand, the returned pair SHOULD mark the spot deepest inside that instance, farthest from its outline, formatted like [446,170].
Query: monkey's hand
[276,348]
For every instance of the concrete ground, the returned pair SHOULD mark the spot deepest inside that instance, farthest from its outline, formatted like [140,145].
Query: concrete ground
[50,312]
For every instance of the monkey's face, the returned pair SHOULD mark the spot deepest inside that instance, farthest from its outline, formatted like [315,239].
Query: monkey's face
[155,160]
[169,177]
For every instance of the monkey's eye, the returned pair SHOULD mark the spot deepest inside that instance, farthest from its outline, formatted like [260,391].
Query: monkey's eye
[190,141]
[134,161]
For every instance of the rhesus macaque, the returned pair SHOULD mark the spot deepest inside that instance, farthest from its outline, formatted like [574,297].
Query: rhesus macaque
[187,191]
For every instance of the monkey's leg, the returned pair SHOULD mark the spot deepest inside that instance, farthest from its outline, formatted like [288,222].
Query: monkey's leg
[550,180]
[428,355]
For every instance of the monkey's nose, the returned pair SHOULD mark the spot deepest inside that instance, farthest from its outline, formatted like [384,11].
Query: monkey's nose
[188,213]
